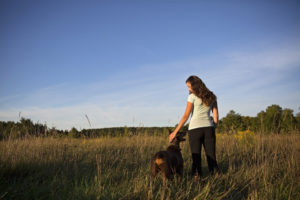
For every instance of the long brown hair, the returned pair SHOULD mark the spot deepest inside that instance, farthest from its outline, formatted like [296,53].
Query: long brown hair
[201,91]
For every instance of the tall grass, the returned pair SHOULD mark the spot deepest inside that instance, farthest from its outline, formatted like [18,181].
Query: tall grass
[256,167]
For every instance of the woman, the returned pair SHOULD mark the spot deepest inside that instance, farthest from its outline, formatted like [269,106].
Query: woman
[201,128]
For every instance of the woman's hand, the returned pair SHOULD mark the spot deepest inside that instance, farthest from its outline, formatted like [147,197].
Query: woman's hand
[185,117]
[172,136]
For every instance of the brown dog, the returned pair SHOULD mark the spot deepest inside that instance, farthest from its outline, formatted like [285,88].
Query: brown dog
[169,162]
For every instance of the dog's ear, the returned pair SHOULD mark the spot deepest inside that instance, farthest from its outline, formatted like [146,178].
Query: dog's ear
[181,135]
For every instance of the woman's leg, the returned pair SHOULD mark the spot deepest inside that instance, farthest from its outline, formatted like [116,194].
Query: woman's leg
[196,140]
[196,166]
[210,149]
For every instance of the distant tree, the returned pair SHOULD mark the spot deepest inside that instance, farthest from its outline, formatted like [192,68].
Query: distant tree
[232,122]
[288,121]
[27,127]
[2,130]
[40,129]
[255,126]
[74,133]
[165,131]
[245,123]
[15,132]
[126,131]
[261,121]
[272,118]
[220,127]
[53,132]
[298,120]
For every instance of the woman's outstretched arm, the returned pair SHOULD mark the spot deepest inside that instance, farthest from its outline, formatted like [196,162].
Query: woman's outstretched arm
[185,117]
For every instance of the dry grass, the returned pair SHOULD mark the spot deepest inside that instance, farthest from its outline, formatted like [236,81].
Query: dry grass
[254,167]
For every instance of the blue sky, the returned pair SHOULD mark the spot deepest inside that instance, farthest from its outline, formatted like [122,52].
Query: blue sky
[126,62]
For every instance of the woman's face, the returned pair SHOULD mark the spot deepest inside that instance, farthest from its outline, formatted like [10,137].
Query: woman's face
[188,84]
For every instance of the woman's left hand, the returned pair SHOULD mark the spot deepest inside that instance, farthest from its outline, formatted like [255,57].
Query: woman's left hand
[172,136]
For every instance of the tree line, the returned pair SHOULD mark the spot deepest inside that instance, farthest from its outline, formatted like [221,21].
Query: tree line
[273,120]
[26,128]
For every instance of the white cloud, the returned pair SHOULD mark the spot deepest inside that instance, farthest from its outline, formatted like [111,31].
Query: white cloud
[276,59]
[155,94]
[74,116]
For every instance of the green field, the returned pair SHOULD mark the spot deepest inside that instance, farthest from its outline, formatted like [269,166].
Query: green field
[253,167]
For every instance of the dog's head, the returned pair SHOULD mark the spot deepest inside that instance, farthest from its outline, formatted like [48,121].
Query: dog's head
[178,138]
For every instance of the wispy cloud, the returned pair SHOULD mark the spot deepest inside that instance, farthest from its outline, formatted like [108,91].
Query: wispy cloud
[100,116]
[155,94]
[275,59]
